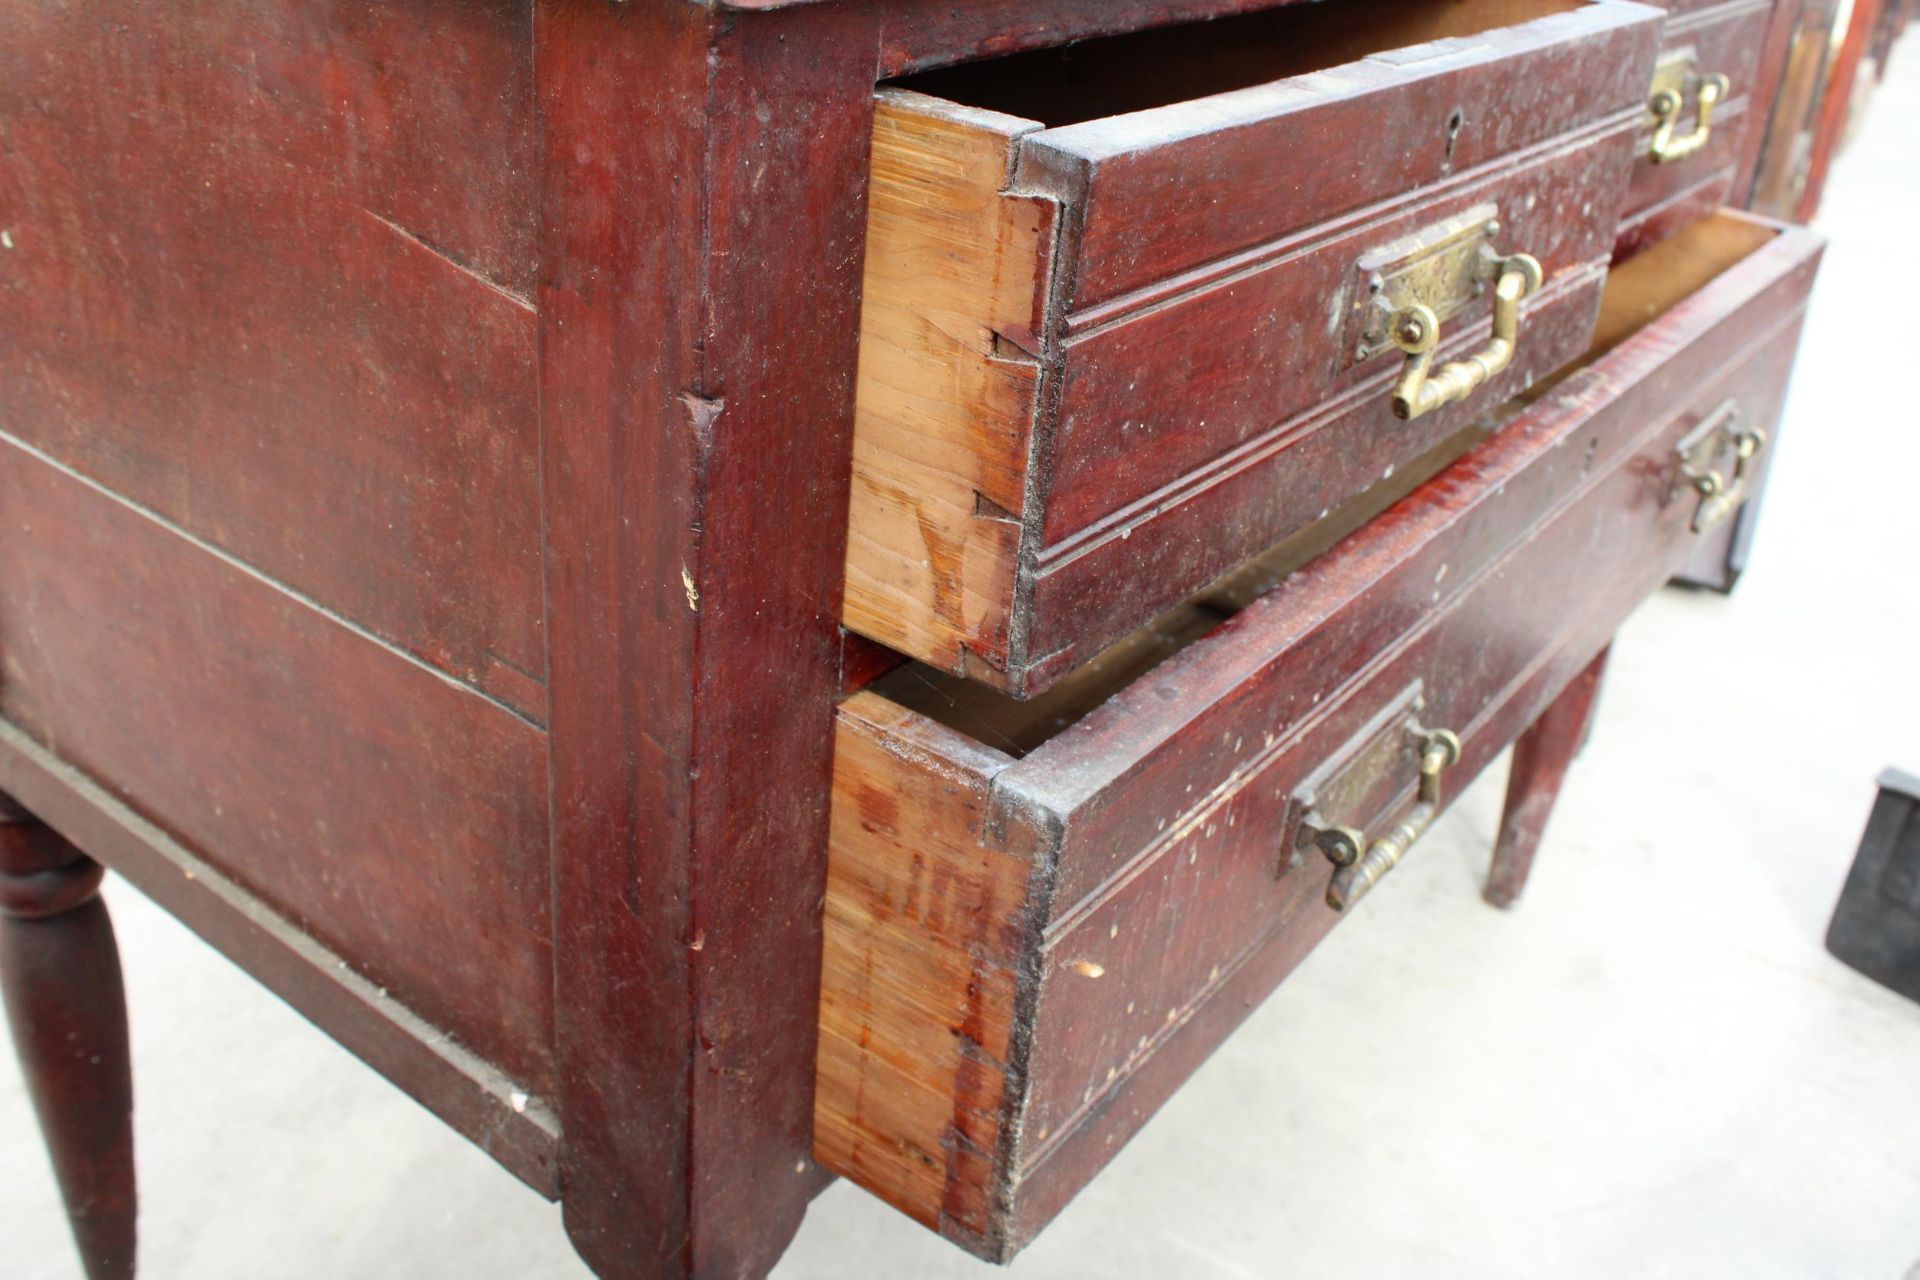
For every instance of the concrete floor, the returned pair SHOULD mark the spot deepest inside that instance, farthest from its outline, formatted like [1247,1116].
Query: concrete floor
[1652,1068]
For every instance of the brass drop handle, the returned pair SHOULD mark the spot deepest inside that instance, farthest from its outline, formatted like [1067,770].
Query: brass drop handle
[1720,495]
[1360,864]
[1666,104]
[1415,329]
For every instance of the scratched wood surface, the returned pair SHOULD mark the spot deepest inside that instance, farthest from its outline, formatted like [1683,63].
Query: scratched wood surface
[269,467]
[1107,352]
[293,316]
[1159,902]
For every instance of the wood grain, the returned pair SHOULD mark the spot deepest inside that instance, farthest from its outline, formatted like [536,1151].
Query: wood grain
[1160,820]
[701,234]
[922,952]
[1061,433]
[270,276]
[399,816]
[950,303]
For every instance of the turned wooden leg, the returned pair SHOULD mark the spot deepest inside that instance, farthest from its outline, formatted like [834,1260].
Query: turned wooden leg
[60,975]
[1540,760]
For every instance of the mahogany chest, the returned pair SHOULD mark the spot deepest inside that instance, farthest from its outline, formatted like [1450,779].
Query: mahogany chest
[738,593]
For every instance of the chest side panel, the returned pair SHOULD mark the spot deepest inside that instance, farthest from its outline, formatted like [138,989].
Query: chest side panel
[269,276]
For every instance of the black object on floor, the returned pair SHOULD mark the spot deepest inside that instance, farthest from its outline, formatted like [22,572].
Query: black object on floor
[1876,926]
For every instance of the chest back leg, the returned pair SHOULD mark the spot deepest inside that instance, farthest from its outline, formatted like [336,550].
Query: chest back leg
[1541,758]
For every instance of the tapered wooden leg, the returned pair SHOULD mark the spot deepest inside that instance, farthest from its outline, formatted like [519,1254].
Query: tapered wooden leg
[60,975]
[1540,761]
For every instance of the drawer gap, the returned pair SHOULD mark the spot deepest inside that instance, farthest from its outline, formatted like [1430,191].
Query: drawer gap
[1018,726]
[1113,75]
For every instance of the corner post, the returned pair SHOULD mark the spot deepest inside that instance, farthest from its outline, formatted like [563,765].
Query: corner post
[703,184]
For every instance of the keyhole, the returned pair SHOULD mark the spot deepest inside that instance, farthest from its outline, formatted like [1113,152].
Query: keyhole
[1454,123]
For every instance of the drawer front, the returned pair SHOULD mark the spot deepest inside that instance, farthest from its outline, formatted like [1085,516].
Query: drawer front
[1670,190]
[1105,361]
[1026,956]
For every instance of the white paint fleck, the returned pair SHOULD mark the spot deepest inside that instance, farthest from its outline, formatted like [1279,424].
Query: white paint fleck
[6,239]
[1089,969]
[693,592]
[1113,930]
[1388,473]
[518,1099]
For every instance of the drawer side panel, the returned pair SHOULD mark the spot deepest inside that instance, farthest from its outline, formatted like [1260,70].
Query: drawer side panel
[946,391]
[926,923]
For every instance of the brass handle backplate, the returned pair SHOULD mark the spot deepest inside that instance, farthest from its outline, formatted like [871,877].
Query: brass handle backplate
[1666,105]
[1720,494]
[1415,329]
[1360,864]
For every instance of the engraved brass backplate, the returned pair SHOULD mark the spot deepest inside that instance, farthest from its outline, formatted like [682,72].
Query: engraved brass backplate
[1673,73]
[1443,267]
[1364,780]
[1370,773]
[1716,464]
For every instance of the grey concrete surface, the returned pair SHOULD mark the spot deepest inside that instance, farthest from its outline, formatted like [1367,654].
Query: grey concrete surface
[1651,1068]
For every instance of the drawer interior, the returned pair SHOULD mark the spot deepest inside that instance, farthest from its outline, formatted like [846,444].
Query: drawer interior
[1136,72]
[1647,286]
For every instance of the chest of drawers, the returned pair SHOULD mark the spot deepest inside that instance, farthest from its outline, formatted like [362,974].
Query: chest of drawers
[737,593]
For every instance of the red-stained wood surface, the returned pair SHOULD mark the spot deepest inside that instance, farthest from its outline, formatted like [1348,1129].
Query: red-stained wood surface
[269,276]
[365,370]
[1541,757]
[1198,395]
[60,978]
[1154,193]
[1730,39]
[1163,902]
[398,816]
[1525,630]
[702,230]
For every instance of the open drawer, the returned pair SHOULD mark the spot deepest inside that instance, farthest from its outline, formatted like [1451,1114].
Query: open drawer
[1139,308]
[1700,119]
[1041,916]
